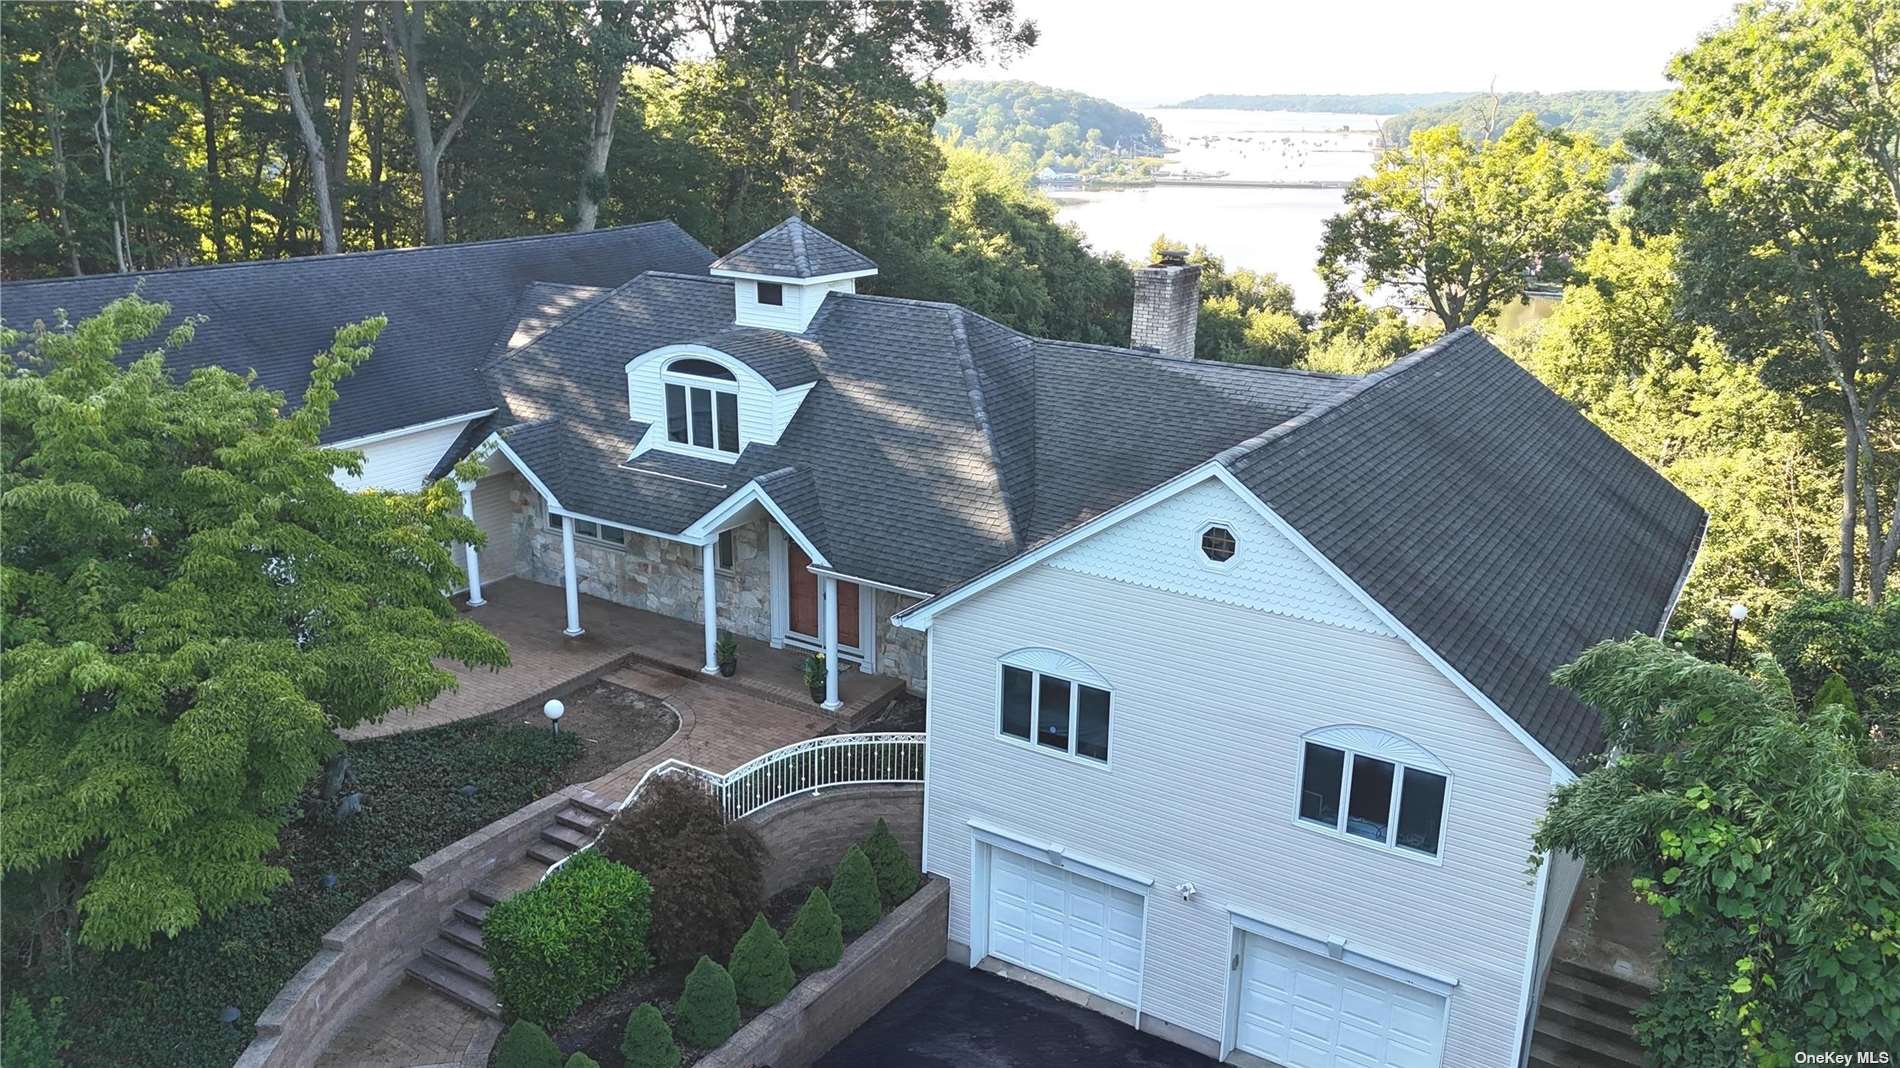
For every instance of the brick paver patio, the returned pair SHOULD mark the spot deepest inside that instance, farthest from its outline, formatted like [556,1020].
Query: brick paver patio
[529,616]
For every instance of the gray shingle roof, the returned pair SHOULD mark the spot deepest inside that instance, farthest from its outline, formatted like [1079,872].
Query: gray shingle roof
[446,304]
[1503,528]
[794,249]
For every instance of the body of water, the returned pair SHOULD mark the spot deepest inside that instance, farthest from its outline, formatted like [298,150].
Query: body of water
[1275,230]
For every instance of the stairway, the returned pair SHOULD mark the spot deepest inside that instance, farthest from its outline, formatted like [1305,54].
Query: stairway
[456,963]
[1587,1019]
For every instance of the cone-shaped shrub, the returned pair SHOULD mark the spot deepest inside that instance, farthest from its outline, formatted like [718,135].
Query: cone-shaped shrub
[527,1046]
[648,1042]
[582,1060]
[896,876]
[854,893]
[815,940]
[761,971]
[709,1007]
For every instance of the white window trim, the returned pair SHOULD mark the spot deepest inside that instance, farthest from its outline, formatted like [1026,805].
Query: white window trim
[1209,562]
[1040,662]
[690,382]
[547,525]
[1338,832]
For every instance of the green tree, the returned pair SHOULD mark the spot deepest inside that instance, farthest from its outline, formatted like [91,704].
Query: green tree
[897,875]
[1777,164]
[647,1041]
[816,938]
[709,1006]
[1822,641]
[526,1045]
[1354,338]
[854,893]
[761,971]
[192,609]
[1670,392]
[1770,849]
[1246,316]
[1461,227]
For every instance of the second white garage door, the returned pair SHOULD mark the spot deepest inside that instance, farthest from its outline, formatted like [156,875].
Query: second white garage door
[1307,1011]
[1066,926]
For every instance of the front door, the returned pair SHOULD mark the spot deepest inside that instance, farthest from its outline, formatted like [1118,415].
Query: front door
[803,586]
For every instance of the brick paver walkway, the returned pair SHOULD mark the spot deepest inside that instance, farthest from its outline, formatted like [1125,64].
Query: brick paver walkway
[721,727]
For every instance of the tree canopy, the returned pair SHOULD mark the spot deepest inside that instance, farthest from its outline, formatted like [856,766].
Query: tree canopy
[1037,126]
[1768,845]
[1603,114]
[1460,227]
[192,608]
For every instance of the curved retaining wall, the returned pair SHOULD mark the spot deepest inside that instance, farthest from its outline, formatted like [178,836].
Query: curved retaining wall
[808,834]
[366,953]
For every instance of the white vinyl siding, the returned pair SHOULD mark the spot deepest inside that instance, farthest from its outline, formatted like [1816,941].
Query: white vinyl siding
[763,411]
[801,303]
[401,463]
[1211,701]
[495,514]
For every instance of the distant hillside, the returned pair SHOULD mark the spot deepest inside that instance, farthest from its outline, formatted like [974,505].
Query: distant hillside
[1604,113]
[1357,103]
[1040,126]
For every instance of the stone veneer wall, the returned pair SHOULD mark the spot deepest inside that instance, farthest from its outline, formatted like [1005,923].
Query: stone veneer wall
[807,835]
[663,576]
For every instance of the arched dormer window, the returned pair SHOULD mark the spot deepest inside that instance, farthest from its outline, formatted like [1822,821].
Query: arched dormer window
[1373,786]
[1055,702]
[702,405]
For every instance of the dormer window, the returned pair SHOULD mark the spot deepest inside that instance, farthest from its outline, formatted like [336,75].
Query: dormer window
[772,293]
[702,405]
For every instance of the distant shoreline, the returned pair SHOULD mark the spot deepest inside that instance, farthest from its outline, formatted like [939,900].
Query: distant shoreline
[1359,103]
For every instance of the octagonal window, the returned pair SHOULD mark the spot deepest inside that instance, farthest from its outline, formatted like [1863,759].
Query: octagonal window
[1217,544]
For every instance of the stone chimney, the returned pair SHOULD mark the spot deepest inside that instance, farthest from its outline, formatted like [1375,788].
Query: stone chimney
[1167,305]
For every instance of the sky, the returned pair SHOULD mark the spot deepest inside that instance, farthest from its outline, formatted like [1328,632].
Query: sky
[1140,53]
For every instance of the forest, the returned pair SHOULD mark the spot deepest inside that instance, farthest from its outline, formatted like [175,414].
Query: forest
[1350,103]
[1606,115]
[1036,126]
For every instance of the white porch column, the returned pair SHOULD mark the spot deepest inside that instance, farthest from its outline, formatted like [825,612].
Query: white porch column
[568,579]
[474,561]
[830,598]
[708,597]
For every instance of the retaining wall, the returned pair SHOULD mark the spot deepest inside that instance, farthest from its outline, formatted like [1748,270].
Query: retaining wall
[368,951]
[808,835]
[827,1006]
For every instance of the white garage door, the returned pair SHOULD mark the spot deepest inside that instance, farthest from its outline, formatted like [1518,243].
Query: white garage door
[1083,932]
[1307,1011]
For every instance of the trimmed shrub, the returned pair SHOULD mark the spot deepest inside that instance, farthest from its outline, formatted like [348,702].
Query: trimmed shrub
[708,879]
[648,1042]
[815,940]
[897,877]
[761,970]
[579,934]
[709,1006]
[581,1060]
[527,1046]
[854,893]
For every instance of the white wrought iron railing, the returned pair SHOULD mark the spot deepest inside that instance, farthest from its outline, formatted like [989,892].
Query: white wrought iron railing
[803,767]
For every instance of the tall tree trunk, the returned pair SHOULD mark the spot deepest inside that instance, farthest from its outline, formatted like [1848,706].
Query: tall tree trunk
[56,137]
[402,38]
[379,222]
[102,67]
[307,127]
[1850,510]
[214,173]
[353,41]
[600,141]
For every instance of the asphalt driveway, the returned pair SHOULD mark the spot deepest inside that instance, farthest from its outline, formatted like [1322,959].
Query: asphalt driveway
[957,1017]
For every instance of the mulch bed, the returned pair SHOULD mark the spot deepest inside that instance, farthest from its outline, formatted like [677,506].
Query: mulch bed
[597,1028]
[614,724]
[904,713]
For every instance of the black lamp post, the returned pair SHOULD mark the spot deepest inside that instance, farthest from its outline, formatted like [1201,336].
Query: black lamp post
[1736,613]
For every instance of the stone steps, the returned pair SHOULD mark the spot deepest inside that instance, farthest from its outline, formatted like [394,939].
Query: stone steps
[1587,1019]
[469,962]
[456,986]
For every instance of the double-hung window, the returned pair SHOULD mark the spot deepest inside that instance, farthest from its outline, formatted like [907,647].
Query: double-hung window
[1055,712]
[1378,798]
[702,405]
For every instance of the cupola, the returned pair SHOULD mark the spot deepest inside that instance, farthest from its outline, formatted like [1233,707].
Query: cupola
[781,276]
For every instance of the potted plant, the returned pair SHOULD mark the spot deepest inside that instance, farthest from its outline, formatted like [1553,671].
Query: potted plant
[815,677]
[727,653]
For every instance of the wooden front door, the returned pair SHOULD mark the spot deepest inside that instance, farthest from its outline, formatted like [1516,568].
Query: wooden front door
[803,586]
